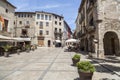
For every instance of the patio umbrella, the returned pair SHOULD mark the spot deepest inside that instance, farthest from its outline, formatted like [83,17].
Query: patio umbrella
[72,41]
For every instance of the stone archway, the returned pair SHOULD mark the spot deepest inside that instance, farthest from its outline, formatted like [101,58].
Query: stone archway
[111,43]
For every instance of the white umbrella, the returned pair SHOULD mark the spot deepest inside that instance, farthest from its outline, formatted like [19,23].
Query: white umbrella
[5,37]
[58,41]
[18,39]
[72,40]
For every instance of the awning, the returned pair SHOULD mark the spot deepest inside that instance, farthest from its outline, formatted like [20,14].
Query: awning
[5,37]
[58,41]
[27,39]
[18,39]
[72,40]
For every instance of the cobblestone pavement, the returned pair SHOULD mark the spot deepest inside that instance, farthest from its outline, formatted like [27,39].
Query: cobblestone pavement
[112,63]
[46,64]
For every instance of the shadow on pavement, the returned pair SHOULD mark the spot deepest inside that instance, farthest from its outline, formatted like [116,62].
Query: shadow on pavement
[106,79]
[77,79]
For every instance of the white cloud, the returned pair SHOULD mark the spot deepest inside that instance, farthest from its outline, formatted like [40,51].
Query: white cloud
[27,7]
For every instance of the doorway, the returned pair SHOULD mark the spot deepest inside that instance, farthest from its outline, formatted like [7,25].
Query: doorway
[49,43]
[111,43]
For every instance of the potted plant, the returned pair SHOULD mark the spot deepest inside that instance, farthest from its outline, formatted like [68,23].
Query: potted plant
[27,48]
[6,49]
[76,59]
[85,70]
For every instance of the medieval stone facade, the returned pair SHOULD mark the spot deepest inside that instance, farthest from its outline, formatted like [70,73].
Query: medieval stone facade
[43,28]
[7,11]
[98,27]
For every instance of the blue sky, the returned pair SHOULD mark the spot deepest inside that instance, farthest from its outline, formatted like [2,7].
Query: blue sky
[67,8]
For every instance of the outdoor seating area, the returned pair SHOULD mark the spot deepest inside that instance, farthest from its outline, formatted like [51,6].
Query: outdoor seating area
[72,45]
[11,49]
[15,45]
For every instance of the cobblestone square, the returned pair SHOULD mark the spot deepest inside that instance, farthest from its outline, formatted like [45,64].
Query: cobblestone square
[50,64]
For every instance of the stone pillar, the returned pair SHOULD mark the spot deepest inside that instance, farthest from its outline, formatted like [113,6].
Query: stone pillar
[118,53]
[96,49]
[100,49]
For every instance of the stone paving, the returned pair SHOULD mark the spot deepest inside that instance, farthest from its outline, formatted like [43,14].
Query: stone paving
[112,63]
[46,64]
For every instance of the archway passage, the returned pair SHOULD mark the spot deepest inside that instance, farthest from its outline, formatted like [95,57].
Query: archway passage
[111,43]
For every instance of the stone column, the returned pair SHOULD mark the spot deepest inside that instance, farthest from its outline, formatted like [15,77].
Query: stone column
[101,49]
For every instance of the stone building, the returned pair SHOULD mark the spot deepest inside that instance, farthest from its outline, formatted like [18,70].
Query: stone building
[25,26]
[98,27]
[43,28]
[6,18]
[67,33]
[50,27]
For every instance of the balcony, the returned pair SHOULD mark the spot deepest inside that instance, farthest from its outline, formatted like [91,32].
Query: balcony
[58,33]
[91,28]
[24,36]
[27,26]
[80,34]
[41,37]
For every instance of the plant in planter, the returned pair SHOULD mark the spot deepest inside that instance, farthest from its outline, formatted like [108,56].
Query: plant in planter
[85,70]
[6,49]
[76,59]
[27,48]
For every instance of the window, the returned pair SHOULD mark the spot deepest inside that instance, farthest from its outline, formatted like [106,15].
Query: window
[18,15]
[60,38]
[20,22]
[36,23]
[56,37]
[91,22]
[47,23]
[47,32]
[6,10]
[55,17]
[56,22]
[46,17]
[59,30]
[60,18]
[49,17]
[24,32]
[41,32]
[55,29]
[21,15]
[28,15]
[42,16]
[24,15]
[27,22]
[118,8]
[31,15]
[41,25]
[5,28]
[38,16]
[60,23]
[14,23]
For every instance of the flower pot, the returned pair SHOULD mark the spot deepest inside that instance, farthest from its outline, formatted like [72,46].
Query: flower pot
[6,54]
[75,61]
[85,75]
